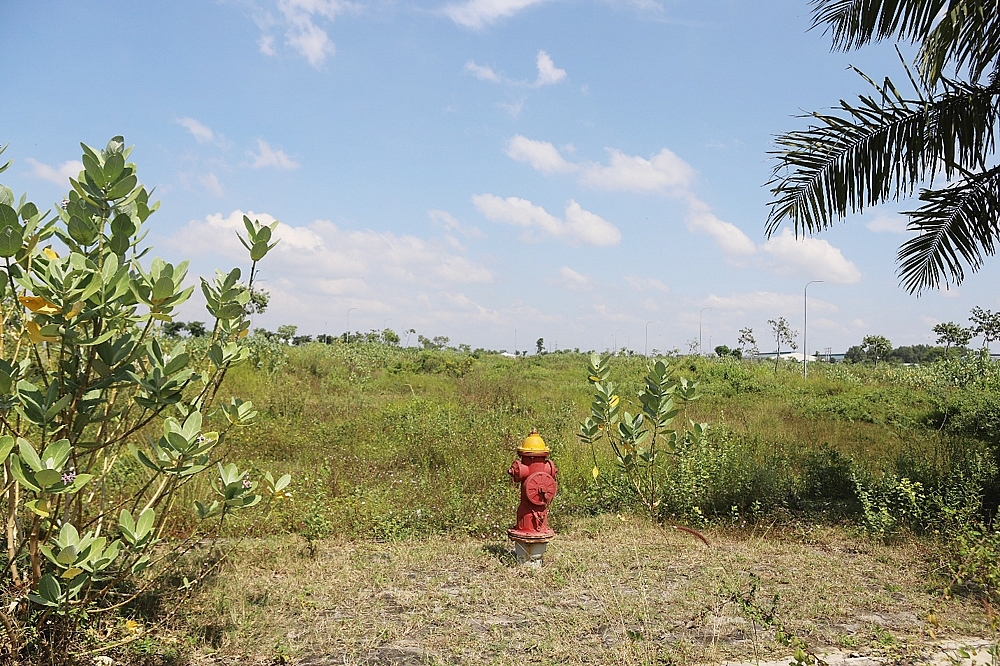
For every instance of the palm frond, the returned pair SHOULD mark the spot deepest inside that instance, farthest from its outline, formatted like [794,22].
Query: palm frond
[957,34]
[966,38]
[855,23]
[877,150]
[957,225]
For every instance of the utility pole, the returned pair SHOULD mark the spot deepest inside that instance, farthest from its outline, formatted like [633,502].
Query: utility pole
[645,345]
[702,312]
[349,324]
[805,328]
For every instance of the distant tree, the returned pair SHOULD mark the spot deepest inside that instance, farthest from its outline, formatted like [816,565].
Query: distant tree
[196,329]
[390,337]
[951,334]
[693,345]
[408,332]
[986,324]
[301,340]
[723,351]
[437,343]
[746,342]
[876,347]
[782,335]
[539,345]
[916,354]
[854,354]
[326,339]
[286,332]
[173,329]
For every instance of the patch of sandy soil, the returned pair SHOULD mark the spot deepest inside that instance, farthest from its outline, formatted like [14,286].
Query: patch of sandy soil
[612,590]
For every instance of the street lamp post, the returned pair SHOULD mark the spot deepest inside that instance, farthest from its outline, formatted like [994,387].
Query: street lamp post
[700,313]
[805,328]
[645,345]
[349,324]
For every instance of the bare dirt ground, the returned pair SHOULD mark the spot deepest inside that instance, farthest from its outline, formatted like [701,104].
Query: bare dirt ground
[613,590]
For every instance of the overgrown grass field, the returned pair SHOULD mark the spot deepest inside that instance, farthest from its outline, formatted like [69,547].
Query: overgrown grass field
[384,442]
[399,460]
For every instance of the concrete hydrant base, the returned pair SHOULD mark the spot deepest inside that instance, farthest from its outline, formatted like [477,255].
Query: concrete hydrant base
[530,553]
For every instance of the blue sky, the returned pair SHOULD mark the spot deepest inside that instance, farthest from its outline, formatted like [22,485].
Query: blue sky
[569,169]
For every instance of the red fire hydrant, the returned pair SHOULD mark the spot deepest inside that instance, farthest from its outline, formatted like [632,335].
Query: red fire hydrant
[537,476]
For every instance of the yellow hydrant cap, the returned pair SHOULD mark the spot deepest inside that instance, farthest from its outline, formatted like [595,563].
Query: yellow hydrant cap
[533,445]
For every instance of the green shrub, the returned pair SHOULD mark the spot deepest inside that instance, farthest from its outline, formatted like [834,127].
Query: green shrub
[101,423]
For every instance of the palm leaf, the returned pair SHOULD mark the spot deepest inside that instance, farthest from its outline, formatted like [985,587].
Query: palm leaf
[952,34]
[877,150]
[957,226]
[855,23]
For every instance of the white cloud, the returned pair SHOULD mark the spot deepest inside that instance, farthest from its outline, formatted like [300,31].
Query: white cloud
[892,223]
[664,172]
[212,185]
[320,255]
[809,258]
[201,133]
[631,173]
[767,302]
[541,155]
[637,5]
[730,238]
[59,175]
[548,73]
[482,72]
[573,280]
[300,22]
[645,284]
[580,226]
[266,45]
[312,42]
[268,156]
[477,14]
[513,108]
[320,269]
[450,223]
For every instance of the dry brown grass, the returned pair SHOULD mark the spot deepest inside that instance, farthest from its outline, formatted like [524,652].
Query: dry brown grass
[612,591]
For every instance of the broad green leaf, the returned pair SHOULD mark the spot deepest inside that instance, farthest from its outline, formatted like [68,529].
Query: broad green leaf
[29,455]
[11,240]
[113,165]
[6,446]
[123,187]
[163,289]
[17,470]
[48,477]
[94,171]
[49,589]
[258,250]
[145,522]
[81,231]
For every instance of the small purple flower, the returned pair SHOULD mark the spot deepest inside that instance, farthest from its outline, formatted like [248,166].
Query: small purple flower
[247,484]
[69,477]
